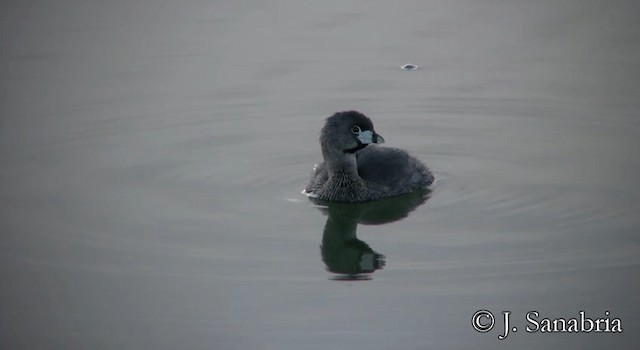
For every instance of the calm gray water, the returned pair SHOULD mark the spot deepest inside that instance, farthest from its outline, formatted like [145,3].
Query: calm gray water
[152,155]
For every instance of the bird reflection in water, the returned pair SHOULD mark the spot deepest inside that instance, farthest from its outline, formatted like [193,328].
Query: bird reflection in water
[345,255]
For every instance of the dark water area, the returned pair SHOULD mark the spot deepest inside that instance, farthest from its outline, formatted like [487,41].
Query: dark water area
[152,156]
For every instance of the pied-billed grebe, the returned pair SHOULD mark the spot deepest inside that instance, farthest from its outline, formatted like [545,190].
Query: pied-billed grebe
[353,172]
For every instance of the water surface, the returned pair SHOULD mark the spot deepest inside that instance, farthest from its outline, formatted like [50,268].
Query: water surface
[152,156]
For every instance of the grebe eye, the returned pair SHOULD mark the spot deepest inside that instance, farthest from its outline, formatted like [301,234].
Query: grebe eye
[355,129]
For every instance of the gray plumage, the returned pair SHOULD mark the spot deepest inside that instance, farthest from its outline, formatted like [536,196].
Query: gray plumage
[353,170]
